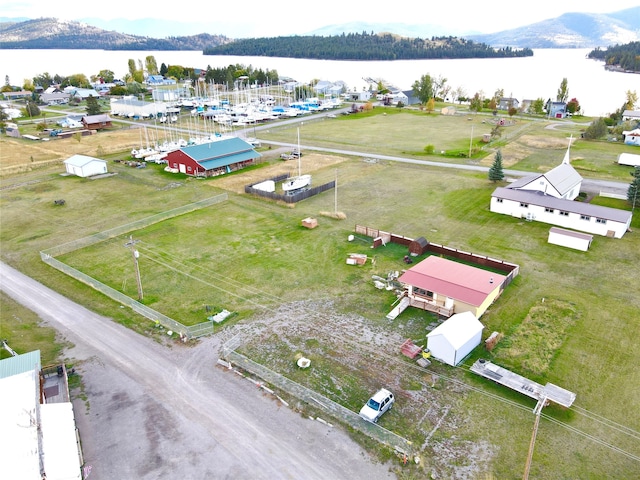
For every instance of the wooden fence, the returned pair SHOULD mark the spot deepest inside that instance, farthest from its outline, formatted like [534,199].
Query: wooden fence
[380,237]
[290,197]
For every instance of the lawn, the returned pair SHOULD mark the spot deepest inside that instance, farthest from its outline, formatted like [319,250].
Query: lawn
[254,258]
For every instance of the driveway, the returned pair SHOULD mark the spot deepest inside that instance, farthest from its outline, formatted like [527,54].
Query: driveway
[154,411]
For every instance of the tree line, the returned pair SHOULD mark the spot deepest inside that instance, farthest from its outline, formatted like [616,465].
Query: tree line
[364,46]
[624,57]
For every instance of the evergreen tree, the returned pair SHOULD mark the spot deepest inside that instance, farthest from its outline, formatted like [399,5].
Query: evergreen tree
[496,173]
[633,194]
[93,108]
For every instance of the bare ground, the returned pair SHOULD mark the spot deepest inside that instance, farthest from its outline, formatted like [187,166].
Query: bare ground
[343,346]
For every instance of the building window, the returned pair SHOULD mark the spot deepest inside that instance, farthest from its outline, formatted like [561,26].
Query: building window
[424,293]
[498,200]
[601,220]
[524,205]
[585,217]
[549,210]
[188,169]
[564,214]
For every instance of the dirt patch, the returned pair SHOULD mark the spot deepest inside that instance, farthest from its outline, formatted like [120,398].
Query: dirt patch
[310,163]
[351,356]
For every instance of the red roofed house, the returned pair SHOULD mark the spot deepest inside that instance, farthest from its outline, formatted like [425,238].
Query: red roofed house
[447,287]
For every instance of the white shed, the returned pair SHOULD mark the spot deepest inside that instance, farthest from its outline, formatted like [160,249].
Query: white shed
[85,166]
[631,159]
[569,238]
[455,338]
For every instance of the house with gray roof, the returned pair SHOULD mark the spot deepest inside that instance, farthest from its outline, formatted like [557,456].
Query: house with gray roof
[539,207]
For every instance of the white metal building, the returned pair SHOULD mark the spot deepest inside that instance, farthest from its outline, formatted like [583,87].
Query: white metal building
[570,239]
[630,159]
[85,166]
[38,434]
[538,207]
[455,338]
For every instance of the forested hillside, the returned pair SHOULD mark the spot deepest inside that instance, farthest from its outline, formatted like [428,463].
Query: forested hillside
[622,57]
[364,46]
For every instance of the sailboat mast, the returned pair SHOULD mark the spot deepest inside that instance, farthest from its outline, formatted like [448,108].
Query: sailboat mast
[299,169]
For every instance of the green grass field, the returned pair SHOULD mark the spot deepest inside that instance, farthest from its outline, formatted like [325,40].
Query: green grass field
[569,318]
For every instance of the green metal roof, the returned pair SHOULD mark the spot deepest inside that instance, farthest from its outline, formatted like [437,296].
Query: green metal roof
[26,362]
[221,153]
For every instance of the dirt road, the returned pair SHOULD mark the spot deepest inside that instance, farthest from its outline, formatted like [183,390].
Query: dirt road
[150,411]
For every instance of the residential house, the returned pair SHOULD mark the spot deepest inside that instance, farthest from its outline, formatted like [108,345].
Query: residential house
[632,137]
[556,109]
[85,166]
[55,98]
[17,94]
[455,338]
[81,93]
[505,103]
[446,287]
[631,115]
[96,122]
[213,158]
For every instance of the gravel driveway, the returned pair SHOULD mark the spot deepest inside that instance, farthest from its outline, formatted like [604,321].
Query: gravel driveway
[153,411]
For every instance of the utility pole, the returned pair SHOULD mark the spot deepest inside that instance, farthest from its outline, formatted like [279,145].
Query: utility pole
[135,254]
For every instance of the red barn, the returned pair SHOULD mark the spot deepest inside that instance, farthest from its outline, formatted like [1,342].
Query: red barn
[213,158]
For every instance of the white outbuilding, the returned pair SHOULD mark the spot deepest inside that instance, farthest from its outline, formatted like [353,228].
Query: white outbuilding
[569,238]
[85,166]
[631,159]
[455,338]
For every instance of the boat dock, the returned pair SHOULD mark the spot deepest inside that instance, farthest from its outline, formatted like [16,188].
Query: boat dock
[521,384]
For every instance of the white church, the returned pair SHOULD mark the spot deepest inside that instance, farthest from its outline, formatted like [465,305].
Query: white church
[549,198]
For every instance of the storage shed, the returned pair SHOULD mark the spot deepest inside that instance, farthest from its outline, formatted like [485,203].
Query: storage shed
[455,338]
[85,166]
[569,238]
[418,246]
[630,159]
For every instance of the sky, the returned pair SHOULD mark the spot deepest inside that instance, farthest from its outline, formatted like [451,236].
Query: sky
[257,18]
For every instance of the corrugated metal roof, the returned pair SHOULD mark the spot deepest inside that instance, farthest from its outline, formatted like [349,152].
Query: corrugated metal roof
[563,177]
[81,160]
[25,362]
[452,279]
[221,153]
[547,201]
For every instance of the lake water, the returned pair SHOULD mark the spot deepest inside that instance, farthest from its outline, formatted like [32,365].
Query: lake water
[599,91]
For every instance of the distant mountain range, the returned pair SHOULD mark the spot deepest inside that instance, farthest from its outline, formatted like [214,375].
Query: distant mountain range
[571,30]
[46,33]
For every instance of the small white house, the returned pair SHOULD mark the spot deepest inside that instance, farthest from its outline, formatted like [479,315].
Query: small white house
[85,166]
[570,239]
[455,338]
[632,137]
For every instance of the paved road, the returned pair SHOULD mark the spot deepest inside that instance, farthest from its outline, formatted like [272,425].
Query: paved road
[154,411]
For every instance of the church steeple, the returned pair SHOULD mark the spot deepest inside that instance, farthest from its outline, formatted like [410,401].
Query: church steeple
[566,158]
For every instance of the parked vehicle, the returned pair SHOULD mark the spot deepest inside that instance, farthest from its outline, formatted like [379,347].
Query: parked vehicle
[377,405]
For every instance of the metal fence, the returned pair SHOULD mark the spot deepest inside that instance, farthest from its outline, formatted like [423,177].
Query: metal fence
[133,226]
[335,410]
[48,256]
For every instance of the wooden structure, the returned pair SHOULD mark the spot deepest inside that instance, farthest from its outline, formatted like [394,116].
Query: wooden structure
[309,222]
[418,246]
[96,122]
[409,349]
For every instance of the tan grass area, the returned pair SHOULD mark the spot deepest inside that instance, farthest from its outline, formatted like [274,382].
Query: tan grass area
[312,162]
[523,147]
[21,155]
